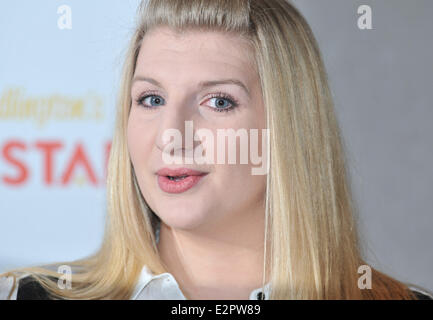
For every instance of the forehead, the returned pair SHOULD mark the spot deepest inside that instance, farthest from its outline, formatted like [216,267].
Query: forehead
[198,52]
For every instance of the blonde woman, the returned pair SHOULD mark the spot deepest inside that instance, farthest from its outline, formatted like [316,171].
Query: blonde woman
[215,230]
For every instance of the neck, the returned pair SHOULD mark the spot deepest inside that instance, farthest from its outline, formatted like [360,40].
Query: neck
[223,261]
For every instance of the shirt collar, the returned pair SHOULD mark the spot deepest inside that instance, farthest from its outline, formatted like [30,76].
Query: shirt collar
[165,287]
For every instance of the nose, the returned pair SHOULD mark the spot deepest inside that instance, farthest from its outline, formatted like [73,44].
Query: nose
[176,127]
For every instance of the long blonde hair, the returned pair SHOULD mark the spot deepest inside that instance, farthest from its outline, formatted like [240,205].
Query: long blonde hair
[310,231]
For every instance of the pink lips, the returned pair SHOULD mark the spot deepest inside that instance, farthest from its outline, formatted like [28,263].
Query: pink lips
[173,186]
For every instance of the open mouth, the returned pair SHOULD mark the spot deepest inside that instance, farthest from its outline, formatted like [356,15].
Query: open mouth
[178,184]
[177,178]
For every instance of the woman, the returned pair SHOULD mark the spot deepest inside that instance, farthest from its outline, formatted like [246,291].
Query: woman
[215,230]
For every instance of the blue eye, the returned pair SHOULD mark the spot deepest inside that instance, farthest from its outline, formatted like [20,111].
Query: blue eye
[150,101]
[222,102]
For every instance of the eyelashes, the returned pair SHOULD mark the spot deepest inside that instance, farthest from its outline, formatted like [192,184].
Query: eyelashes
[229,102]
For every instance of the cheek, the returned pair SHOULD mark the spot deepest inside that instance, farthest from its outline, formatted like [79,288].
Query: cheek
[237,189]
[139,143]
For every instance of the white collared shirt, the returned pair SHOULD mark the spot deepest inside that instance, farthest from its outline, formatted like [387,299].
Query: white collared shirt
[165,287]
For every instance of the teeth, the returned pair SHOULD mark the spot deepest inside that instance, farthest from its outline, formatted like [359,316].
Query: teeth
[177,178]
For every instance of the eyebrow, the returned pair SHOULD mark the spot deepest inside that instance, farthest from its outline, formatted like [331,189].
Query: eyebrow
[201,85]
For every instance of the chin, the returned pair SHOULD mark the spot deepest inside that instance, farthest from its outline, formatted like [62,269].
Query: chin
[185,218]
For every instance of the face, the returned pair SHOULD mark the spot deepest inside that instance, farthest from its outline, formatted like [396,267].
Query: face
[180,78]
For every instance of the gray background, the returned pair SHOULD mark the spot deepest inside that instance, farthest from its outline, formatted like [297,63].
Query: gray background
[382,82]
